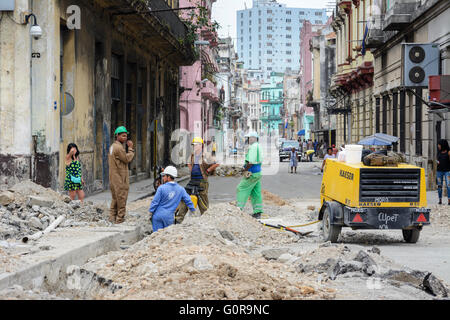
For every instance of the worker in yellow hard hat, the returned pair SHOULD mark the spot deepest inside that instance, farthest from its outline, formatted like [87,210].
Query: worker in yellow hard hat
[201,166]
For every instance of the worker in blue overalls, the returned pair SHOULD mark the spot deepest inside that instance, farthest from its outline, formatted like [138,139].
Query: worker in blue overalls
[166,200]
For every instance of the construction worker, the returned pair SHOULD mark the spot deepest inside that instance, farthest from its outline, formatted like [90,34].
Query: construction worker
[250,185]
[200,166]
[119,182]
[166,200]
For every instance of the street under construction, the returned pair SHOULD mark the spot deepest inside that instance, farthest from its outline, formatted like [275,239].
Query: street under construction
[222,254]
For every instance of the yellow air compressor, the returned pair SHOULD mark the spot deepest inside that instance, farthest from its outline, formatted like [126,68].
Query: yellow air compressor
[368,197]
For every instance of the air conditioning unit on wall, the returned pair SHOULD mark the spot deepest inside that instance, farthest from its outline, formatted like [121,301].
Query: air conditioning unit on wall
[419,61]
[7,5]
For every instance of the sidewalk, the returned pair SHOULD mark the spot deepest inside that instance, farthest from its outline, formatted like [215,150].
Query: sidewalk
[138,190]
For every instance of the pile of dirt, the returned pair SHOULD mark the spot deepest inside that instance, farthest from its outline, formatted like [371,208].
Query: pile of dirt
[27,208]
[271,198]
[209,257]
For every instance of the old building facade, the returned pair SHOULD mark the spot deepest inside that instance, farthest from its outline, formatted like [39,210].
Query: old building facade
[369,85]
[79,81]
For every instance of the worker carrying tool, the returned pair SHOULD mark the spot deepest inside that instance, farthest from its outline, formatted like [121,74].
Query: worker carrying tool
[250,185]
[119,182]
[201,166]
[166,200]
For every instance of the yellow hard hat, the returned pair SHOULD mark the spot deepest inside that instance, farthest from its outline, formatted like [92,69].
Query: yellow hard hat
[197,140]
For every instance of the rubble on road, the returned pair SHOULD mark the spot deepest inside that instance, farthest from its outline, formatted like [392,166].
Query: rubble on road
[17,292]
[210,257]
[229,171]
[28,208]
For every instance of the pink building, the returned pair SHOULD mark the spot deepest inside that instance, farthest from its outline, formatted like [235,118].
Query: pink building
[200,93]
[307,32]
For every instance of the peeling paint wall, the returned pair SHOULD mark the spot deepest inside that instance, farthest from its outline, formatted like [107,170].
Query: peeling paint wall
[34,134]
[15,124]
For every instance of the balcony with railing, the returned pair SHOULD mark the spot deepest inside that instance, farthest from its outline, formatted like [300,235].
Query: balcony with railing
[398,14]
[157,25]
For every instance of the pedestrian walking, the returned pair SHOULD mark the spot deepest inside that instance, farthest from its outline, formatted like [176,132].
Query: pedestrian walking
[201,166]
[310,145]
[293,159]
[167,199]
[73,182]
[443,168]
[315,144]
[304,146]
[119,181]
[329,155]
[214,147]
[250,185]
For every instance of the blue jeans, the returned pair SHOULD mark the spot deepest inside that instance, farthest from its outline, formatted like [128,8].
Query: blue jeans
[440,177]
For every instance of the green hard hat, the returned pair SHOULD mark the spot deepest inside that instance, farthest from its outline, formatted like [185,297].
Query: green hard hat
[120,130]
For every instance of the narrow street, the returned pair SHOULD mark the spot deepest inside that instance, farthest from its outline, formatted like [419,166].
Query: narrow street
[145,151]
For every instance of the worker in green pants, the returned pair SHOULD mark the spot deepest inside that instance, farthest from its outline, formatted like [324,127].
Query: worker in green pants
[250,185]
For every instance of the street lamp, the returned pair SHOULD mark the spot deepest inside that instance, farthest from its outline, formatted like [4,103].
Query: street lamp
[35,30]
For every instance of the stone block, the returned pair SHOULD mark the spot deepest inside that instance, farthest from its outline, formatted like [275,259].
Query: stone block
[39,201]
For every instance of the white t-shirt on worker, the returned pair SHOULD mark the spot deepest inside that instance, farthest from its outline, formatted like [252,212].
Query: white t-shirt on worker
[329,156]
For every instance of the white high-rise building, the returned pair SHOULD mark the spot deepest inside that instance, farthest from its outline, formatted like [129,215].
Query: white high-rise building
[268,36]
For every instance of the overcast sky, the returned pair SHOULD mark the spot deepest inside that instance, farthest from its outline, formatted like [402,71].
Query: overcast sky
[224,11]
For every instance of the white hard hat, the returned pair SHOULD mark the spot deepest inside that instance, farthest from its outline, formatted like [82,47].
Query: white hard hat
[252,134]
[170,171]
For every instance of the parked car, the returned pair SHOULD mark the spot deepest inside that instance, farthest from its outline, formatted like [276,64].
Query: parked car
[286,147]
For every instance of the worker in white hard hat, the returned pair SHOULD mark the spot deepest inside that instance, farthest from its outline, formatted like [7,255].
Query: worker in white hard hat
[166,200]
[250,185]
[201,166]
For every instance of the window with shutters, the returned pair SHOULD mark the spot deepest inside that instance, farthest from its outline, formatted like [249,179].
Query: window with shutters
[115,77]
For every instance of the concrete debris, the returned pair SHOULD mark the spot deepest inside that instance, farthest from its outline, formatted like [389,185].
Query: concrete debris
[6,198]
[17,292]
[435,286]
[273,254]
[201,263]
[27,208]
[84,283]
[229,171]
[189,261]
[341,267]
[39,201]
[421,280]
[286,258]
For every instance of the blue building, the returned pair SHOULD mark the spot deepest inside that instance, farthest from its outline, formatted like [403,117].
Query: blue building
[271,105]
[268,36]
